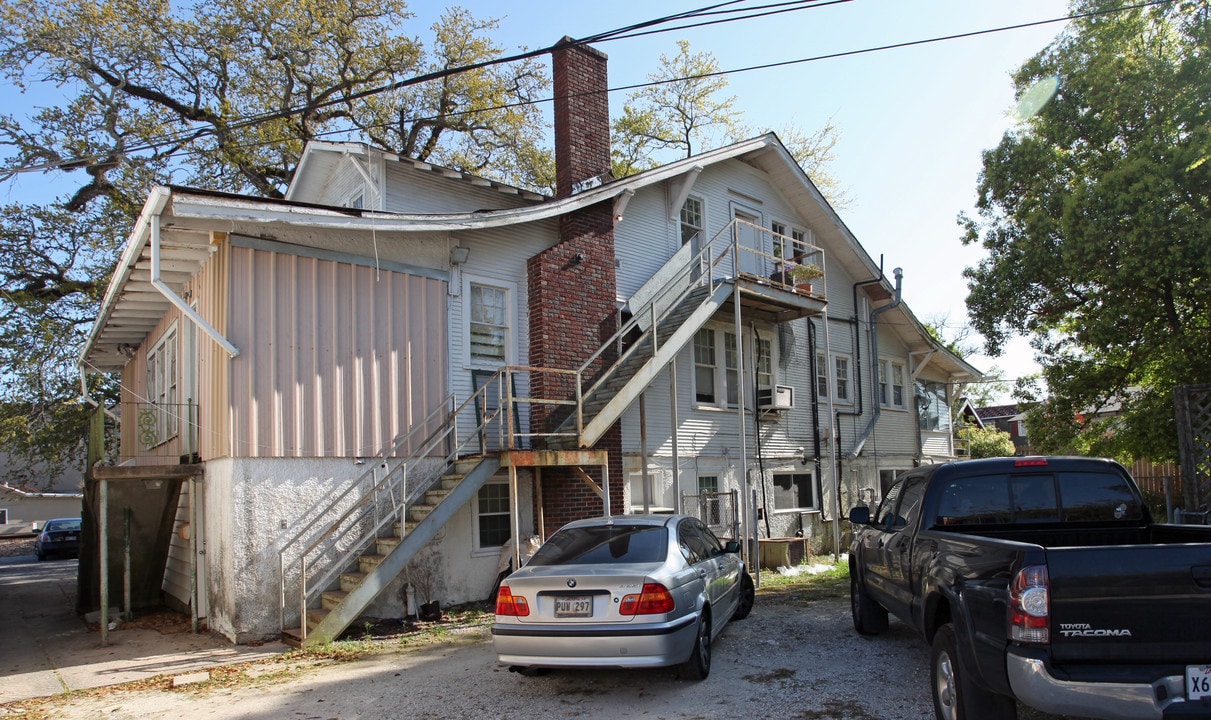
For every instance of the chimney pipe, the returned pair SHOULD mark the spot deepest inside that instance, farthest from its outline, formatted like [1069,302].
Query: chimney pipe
[582,114]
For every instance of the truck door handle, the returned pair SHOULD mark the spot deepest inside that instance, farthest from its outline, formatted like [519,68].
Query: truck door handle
[1202,575]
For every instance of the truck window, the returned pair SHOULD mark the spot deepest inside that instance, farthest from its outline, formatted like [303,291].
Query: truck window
[975,501]
[1034,498]
[1096,496]
[886,514]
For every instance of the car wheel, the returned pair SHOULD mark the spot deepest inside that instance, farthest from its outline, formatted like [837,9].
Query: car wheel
[955,695]
[870,618]
[41,556]
[699,664]
[747,594]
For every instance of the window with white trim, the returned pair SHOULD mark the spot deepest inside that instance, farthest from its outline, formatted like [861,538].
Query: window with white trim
[821,375]
[790,242]
[493,523]
[488,325]
[704,366]
[841,365]
[691,218]
[891,384]
[794,491]
[162,392]
[357,200]
[718,384]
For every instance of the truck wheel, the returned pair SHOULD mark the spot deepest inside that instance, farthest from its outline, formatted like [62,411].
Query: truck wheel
[955,695]
[870,618]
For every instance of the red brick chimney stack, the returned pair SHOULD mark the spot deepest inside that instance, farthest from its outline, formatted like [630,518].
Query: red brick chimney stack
[582,114]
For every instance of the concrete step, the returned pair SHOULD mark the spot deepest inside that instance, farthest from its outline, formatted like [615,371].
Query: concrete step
[350,580]
[384,545]
[420,511]
[330,599]
[367,563]
[433,497]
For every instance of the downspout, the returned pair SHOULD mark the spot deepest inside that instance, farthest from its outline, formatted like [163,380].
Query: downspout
[874,365]
[175,299]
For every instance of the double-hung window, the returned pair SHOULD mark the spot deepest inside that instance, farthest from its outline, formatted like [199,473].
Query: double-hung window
[731,372]
[691,219]
[159,423]
[842,370]
[493,523]
[488,326]
[891,384]
[821,376]
[704,366]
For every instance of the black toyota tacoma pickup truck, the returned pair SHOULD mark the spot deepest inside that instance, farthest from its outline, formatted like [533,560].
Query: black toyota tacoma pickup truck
[1040,580]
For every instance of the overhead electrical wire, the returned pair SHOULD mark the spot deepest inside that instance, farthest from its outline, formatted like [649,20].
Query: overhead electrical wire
[627,32]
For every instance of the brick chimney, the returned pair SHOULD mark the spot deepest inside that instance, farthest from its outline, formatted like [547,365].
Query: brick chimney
[582,114]
[572,288]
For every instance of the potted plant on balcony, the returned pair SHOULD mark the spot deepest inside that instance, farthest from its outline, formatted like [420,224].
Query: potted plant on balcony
[802,276]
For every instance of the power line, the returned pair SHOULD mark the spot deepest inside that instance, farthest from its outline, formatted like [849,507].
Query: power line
[601,37]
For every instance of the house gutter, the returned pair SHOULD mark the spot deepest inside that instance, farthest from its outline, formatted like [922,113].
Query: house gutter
[874,365]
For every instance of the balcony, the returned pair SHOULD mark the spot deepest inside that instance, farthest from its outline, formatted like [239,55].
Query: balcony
[158,434]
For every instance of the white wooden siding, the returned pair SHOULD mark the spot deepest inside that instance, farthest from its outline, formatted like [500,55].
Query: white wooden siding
[424,191]
[176,571]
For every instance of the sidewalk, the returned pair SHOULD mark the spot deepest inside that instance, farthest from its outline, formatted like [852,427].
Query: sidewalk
[45,648]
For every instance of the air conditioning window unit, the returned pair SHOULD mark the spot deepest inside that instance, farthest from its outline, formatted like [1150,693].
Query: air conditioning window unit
[779,397]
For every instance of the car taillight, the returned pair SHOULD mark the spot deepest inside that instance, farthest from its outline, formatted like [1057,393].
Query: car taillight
[509,604]
[654,600]
[1030,606]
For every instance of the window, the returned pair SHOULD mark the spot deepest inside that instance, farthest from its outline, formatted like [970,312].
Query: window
[779,231]
[790,243]
[718,383]
[794,491]
[3,516]
[489,325]
[800,239]
[597,544]
[691,219]
[492,519]
[731,377]
[933,411]
[765,367]
[704,366]
[842,369]
[357,200]
[159,424]
[821,376]
[891,384]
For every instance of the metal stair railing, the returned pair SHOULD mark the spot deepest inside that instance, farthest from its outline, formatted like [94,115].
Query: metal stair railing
[392,487]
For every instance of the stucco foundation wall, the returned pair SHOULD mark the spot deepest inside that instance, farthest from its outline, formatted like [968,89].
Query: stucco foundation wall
[253,507]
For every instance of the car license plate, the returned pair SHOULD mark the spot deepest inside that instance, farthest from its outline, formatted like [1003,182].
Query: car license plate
[1198,682]
[572,606]
[68,538]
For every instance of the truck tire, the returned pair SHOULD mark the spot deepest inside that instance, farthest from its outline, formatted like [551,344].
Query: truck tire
[870,618]
[955,695]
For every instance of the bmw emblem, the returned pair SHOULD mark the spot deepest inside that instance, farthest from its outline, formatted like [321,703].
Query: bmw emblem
[571,583]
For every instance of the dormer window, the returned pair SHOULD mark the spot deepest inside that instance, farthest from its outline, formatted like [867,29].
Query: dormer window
[356,201]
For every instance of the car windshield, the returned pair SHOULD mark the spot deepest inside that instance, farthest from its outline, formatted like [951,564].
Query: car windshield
[63,525]
[604,544]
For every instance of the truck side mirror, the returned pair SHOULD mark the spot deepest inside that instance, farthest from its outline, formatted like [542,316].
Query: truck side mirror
[860,515]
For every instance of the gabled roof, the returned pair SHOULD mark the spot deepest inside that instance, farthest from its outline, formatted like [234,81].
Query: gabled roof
[994,412]
[132,306]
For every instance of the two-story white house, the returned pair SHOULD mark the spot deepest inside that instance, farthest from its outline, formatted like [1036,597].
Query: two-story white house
[377,381]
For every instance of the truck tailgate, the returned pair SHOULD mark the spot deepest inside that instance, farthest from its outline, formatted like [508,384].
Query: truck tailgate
[1131,603]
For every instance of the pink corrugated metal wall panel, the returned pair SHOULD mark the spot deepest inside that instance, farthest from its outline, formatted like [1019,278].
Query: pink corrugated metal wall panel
[336,359]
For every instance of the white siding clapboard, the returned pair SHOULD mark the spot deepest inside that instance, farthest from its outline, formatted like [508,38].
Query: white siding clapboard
[336,359]
[176,570]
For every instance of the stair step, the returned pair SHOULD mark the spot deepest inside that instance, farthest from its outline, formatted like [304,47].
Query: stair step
[367,563]
[420,511]
[433,497]
[350,580]
[315,616]
[293,637]
[330,599]
[384,545]
[451,480]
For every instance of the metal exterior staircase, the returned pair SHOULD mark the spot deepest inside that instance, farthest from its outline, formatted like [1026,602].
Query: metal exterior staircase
[380,530]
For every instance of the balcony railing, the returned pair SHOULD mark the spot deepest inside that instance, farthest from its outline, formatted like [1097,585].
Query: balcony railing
[159,431]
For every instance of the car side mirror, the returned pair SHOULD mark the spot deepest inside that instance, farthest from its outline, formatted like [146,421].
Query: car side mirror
[860,515]
[732,546]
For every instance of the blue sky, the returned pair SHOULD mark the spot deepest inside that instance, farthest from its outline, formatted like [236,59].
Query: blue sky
[913,121]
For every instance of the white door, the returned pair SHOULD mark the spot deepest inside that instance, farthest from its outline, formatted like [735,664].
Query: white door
[750,238]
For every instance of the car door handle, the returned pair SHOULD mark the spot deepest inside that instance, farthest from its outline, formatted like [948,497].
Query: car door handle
[1202,575]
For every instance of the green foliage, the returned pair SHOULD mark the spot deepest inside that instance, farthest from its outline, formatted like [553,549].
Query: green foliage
[1095,218]
[986,442]
[221,95]
[685,113]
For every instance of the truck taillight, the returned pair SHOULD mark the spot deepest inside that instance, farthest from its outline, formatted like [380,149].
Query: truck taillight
[1030,606]
[511,605]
